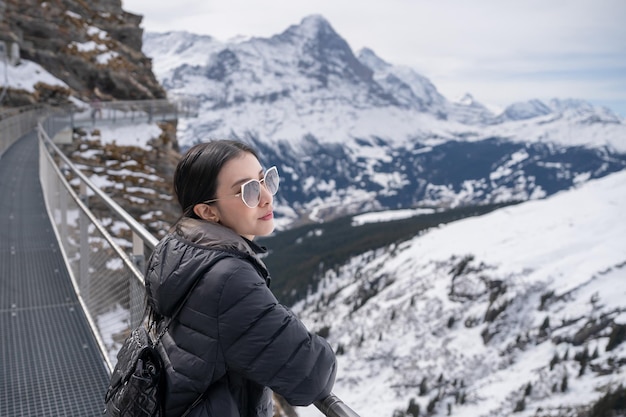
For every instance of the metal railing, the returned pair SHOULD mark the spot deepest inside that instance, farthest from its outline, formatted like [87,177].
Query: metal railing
[106,270]
[125,112]
[15,123]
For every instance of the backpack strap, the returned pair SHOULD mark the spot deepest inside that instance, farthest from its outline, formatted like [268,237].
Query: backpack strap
[220,256]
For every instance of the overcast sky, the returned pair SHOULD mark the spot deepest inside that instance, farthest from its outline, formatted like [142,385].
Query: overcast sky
[500,51]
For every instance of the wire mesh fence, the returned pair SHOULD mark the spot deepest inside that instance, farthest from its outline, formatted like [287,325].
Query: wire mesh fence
[125,112]
[106,269]
[17,123]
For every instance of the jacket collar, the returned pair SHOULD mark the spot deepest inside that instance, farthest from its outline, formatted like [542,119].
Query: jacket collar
[208,234]
[216,236]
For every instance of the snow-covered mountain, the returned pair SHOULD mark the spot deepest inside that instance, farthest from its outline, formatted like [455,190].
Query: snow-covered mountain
[352,133]
[518,312]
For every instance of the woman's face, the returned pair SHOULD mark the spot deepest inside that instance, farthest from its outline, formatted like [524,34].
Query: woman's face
[231,211]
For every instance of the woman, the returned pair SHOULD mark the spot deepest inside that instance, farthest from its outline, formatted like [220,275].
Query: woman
[232,342]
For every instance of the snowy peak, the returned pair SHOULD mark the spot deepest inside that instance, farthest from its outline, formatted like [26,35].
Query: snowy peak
[561,105]
[467,100]
[178,49]
[373,61]
[526,110]
[322,52]
[408,88]
[586,112]
[311,27]
[305,86]
[309,64]
[580,111]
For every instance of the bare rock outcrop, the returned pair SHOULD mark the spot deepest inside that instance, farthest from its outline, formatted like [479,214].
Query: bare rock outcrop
[94,47]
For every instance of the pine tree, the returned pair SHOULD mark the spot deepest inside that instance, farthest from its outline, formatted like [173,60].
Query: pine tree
[414,408]
[545,326]
[423,387]
[617,336]
[555,360]
[528,390]
[431,405]
[595,354]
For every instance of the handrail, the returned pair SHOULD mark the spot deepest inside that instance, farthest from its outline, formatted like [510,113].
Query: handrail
[15,123]
[108,281]
[88,215]
[332,406]
[132,111]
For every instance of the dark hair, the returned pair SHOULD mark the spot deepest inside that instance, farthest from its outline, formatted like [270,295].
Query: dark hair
[195,179]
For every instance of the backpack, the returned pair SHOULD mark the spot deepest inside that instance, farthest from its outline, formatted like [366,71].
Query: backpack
[137,382]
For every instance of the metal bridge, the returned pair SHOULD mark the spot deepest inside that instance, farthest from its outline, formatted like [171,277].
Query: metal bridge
[69,291]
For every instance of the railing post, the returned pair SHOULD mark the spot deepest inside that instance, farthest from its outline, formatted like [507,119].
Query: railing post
[137,290]
[138,252]
[84,246]
[62,211]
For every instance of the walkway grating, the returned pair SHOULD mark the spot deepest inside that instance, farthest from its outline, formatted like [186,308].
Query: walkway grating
[50,364]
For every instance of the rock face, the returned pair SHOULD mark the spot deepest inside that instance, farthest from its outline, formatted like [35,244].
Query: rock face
[95,48]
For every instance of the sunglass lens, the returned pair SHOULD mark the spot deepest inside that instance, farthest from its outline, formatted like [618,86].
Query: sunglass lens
[251,193]
[272,180]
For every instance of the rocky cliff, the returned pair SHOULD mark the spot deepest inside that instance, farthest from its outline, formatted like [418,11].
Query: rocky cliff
[94,47]
[95,50]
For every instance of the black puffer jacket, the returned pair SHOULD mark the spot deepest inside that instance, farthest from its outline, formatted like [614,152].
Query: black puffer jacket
[231,337]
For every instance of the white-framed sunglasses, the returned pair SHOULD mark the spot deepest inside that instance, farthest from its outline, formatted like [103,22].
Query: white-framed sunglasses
[251,190]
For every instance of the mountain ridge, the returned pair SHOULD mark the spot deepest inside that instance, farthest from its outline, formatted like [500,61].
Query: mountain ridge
[352,132]
[316,32]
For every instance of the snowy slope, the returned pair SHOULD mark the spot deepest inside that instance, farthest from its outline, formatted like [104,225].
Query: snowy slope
[463,307]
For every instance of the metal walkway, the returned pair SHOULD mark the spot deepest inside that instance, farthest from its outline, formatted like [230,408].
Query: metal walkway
[50,364]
